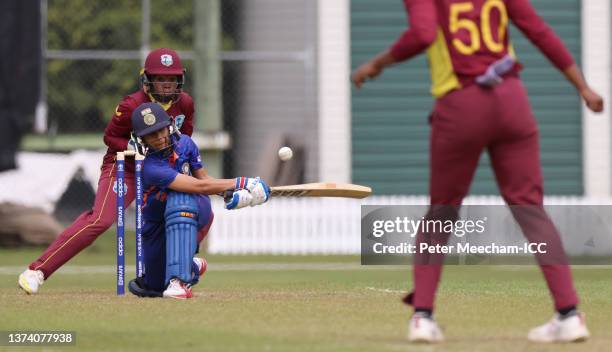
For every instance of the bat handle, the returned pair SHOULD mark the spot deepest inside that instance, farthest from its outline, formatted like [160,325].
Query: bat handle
[226,195]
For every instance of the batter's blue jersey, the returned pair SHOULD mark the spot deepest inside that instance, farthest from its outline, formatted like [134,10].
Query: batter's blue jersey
[160,171]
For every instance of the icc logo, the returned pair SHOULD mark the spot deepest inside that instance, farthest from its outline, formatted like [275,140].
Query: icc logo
[166,60]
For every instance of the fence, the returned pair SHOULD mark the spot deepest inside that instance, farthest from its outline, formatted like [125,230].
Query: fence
[332,226]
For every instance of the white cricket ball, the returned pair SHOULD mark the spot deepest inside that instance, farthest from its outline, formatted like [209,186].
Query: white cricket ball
[285,153]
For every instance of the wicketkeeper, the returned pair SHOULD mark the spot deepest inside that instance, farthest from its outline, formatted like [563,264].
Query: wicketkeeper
[176,207]
[481,104]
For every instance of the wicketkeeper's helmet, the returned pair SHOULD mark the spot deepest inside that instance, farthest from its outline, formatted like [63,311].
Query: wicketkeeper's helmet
[165,62]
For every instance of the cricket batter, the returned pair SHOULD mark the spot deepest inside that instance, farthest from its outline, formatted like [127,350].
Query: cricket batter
[176,205]
[482,104]
[162,81]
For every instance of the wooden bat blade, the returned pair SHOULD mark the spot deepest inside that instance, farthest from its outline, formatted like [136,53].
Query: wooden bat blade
[343,190]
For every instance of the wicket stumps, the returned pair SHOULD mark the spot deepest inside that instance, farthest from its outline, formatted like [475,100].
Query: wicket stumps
[121,191]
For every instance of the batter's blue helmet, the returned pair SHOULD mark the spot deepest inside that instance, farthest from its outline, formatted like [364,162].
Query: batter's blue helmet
[148,118]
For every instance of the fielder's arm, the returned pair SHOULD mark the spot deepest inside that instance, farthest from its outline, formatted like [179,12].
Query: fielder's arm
[544,38]
[593,100]
[119,128]
[414,40]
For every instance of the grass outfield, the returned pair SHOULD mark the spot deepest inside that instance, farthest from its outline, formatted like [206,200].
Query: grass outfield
[294,303]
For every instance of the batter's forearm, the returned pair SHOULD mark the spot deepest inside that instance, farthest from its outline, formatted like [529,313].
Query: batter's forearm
[202,174]
[215,186]
[188,184]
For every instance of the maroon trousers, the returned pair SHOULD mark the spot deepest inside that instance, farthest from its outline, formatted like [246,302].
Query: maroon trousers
[464,123]
[91,224]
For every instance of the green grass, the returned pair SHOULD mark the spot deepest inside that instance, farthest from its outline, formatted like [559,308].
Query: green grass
[295,303]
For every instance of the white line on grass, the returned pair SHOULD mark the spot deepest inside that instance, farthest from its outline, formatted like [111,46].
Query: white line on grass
[105,269]
[534,267]
[385,290]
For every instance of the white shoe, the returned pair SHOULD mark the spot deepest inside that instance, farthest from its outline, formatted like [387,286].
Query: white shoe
[570,329]
[177,289]
[202,265]
[424,329]
[31,280]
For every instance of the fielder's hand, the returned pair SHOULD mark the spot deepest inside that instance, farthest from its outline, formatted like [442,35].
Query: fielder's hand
[367,71]
[593,100]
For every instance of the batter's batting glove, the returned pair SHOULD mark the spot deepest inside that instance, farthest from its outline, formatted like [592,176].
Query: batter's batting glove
[238,199]
[259,190]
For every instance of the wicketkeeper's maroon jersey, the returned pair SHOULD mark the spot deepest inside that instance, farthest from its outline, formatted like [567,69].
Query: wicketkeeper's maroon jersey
[469,36]
[117,133]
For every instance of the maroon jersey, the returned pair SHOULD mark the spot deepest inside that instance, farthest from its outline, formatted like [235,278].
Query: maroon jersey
[469,35]
[117,133]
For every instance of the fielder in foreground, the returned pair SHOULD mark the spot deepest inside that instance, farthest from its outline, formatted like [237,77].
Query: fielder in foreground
[482,104]
[176,208]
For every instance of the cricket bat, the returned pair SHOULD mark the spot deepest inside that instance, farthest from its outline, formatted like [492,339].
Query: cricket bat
[322,189]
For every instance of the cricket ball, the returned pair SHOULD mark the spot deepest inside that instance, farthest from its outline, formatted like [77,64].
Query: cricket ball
[285,153]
